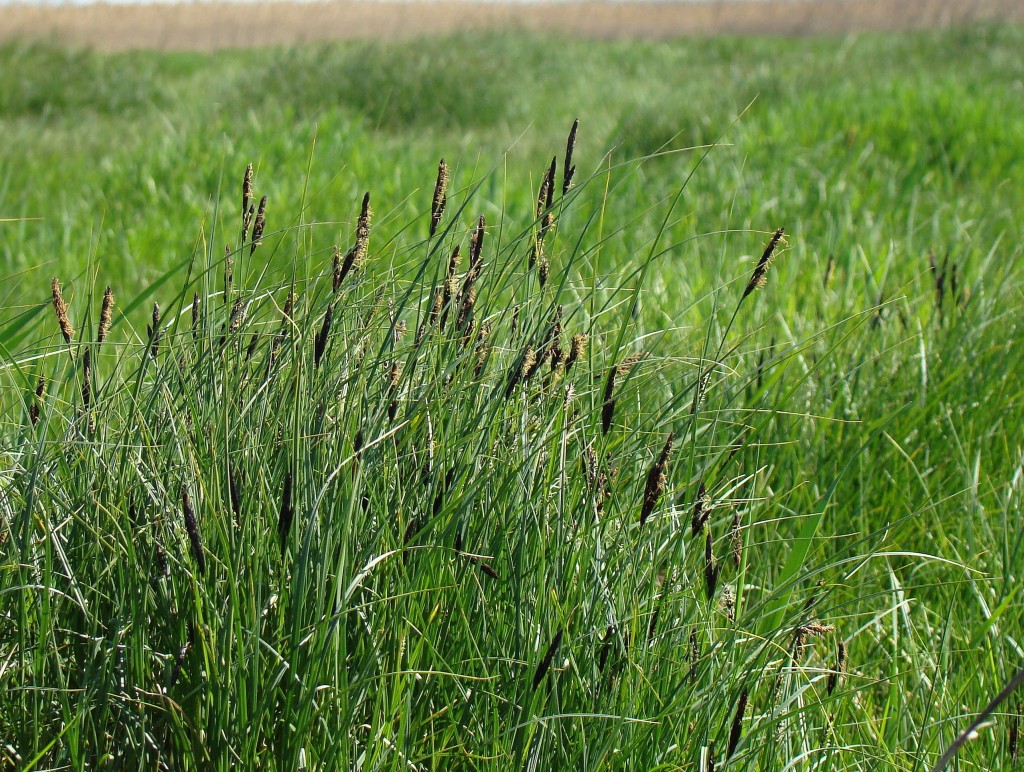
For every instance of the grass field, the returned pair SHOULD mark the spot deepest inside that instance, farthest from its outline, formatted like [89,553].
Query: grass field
[605,494]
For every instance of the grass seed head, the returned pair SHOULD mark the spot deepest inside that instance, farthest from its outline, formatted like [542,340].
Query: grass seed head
[736,732]
[35,406]
[258,225]
[568,170]
[153,331]
[196,310]
[192,529]
[835,676]
[320,342]
[577,349]
[702,506]
[246,191]
[61,308]
[106,309]
[711,567]
[608,407]
[657,479]
[759,278]
[440,199]
[736,540]
[545,663]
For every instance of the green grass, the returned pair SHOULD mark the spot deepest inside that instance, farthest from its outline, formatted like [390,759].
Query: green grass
[413,558]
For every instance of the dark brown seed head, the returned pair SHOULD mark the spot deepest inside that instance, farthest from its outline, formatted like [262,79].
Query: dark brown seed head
[476,246]
[758,278]
[87,379]
[237,316]
[545,663]
[235,493]
[196,310]
[568,170]
[258,225]
[577,349]
[835,676]
[35,406]
[543,270]
[830,269]
[440,199]
[62,311]
[608,408]
[246,191]
[106,311]
[192,528]
[547,184]
[736,540]
[320,342]
[229,273]
[1013,735]
[737,725]
[154,331]
[711,567]
[657,479]
[362,232]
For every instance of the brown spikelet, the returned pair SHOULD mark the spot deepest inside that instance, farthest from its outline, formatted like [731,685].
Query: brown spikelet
[153,330]
[545,663]
[286,514]
[711,567]
[568,170]
[656,481]
[196,310]
[520,370]
[545,196]
[1013,735]
[694,652]
[627,364]
[179,661]
[835,675]
[830,269]
[608,407]
[701,509]
[759,277]
[87,379]
[483,348]
[439,314]
[547,224]
[394,378]
[106,310]
[737,725]
[700,391]
[440,199]
[465,319]
[237,317]
[192,529]
[62,311]
[246,222]
[320,342]
[476,246]
[258,225]
[36,405]
[362,232]
[736,540]
[577,349]
[543,270]
[229,274]
[246,192]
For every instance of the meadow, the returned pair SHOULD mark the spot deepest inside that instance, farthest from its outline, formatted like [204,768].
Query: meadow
[704,455]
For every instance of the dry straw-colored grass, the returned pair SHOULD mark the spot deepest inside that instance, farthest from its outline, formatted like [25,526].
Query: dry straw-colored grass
[209,26]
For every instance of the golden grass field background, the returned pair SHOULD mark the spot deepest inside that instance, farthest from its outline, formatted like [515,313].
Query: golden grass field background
[209,26]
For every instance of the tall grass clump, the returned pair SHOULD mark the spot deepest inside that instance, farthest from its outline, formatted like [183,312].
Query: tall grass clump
[440,499]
